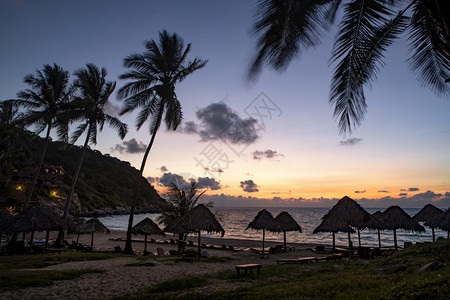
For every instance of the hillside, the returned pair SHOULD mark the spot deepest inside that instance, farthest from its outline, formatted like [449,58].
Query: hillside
[104,181]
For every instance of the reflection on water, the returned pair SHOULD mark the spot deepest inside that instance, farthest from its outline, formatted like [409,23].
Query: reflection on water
[235,221]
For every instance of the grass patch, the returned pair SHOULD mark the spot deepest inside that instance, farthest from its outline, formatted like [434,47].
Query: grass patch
[393,277]
[11,262]
[21,279]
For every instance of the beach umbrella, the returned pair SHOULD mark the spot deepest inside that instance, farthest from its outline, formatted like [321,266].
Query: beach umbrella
[431,216]
[394,218]
[285,222]
[37,218]
[376,215]
[265,221]
[5,219]
[198,219]
[146,227]
[343,215]
[90,226]
[445,222]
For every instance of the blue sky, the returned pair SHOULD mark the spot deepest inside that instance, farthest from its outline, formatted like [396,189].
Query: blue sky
[399,155]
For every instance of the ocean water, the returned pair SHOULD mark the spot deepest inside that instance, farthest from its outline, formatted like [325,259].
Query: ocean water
[235,221]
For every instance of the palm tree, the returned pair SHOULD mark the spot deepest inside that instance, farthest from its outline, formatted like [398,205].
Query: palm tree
[89,107]
[154,75]
[368,27]
[50,91]
[11,127]
[181,200]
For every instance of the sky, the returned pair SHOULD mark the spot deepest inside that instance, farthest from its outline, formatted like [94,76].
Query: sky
[273,142]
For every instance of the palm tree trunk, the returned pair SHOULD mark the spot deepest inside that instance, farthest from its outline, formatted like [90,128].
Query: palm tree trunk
[128,247]
[432,232]
[60,238]
[395,240]
[379,239]
[75,176]
[36,175]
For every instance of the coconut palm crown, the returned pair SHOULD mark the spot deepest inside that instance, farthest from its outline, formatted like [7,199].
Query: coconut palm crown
[286,28]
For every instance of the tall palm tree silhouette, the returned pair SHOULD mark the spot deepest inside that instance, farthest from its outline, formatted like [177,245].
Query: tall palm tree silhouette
[89,108]
[49,93]
[154,75]
[287,28]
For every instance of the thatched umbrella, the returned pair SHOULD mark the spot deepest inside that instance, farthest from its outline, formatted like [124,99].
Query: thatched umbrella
[285,222]
[5,219]
[394,218]
[91,226]
[36,218]
[146,227]
[198,219]
[265,221]
[376,215]
[344,215]
[431,216]
[445,222]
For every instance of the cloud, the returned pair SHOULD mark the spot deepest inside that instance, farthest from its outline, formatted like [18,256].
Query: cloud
[189,127]
[152,179]
[413,189]
[360,192]
[210,183]
[249,186]
[164,169]
[167,179]
[350,142]
[383,191]
[265,154]
[403,194]
[132,146]
[217,121]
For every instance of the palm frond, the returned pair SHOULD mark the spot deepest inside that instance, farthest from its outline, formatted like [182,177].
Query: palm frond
[286,29]
[78,132]
[358,53]
[430,45]
[116,124]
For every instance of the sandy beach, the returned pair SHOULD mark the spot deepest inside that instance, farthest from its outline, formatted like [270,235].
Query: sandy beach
[118,278]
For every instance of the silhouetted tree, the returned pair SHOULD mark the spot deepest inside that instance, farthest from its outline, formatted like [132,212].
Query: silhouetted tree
[49,93]
[154,75]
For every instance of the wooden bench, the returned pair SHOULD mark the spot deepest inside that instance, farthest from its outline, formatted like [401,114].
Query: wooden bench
[248,267]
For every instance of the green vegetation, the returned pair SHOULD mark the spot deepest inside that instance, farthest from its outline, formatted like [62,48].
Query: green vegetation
[104,181]
[398,276]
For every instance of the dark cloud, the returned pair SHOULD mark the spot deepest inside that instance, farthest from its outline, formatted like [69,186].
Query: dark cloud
[360,192]
[249,186]
[217,121]
[152,179]
[350,142]
[403,194]
[383,191]
[132,146]
[402,190]
[164,169]
[265,154]
[167,179]
[189,127]
[210,183]
[413,189]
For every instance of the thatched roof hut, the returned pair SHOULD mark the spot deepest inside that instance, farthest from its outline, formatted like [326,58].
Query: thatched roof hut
[265,221]
[345,214]
[285,222]
[431,216]
[37,218]
[91,226]
[394,218]
[445,222]
[146,227]
[198,219]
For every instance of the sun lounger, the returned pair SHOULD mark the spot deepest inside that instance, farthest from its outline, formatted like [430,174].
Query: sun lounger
[160,251]
[248,267]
